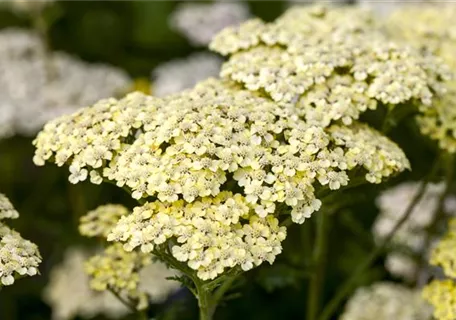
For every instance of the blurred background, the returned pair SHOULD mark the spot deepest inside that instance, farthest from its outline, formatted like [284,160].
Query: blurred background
[56,57]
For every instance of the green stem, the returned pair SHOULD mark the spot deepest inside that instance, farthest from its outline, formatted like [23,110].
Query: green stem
[143,315]
[350,283]
[395,115]
[316,280]
[208,293]
[205,303]
[439,216]
[123,301]
[224,287]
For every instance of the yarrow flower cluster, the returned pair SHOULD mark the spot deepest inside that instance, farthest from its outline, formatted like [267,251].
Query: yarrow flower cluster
[69,294]
[442,293]
[385,301]
[100,221]
[7,210]
[431,29]
[187,145]
[118,271]
[199,22]
[180,74]
[409,241]
[36,86]
[331,62]
[211,234]
[218,159]
[18,257]
[72,292]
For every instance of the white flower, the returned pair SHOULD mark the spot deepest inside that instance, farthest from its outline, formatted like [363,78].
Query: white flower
[180,74]
[35,88]
[386,301]
[393,204]
[199,22]
[69,294]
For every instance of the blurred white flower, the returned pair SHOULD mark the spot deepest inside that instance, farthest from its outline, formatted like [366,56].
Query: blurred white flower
[177,75]
[401,265]
[386,301]
[154,282]
[323,2]
[69,294]
[411,237]
[35,87]
[382,8]
[27,6]
[199,22]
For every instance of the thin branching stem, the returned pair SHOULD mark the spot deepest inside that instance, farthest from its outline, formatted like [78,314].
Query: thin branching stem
[125,302]
[316,280]
[439,216]
[349,284]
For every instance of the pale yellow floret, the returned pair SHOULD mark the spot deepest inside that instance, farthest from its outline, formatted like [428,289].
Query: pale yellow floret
[444,253]
[7,210]
[186,154]
[441,294]
[213,234]
[18,257]
[187,145]
[118,271]
[431,28]
[333,62]
[100,221]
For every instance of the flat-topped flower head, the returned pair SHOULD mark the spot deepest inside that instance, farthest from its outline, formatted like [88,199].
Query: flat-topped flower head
[18,257]
[386,300]
[214,138]
[432,30]
[7,210]
[444,253]
[122,272]
[331,62]
[441,294]
[429,27]
[211,235]
[69,295]
[100,221]
[69,291]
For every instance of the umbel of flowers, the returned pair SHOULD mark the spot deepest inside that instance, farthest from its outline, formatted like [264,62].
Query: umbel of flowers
[441,293]
[123,272]
[333,63]
[216,168]
[431,29]
[112,282]
[18,257]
